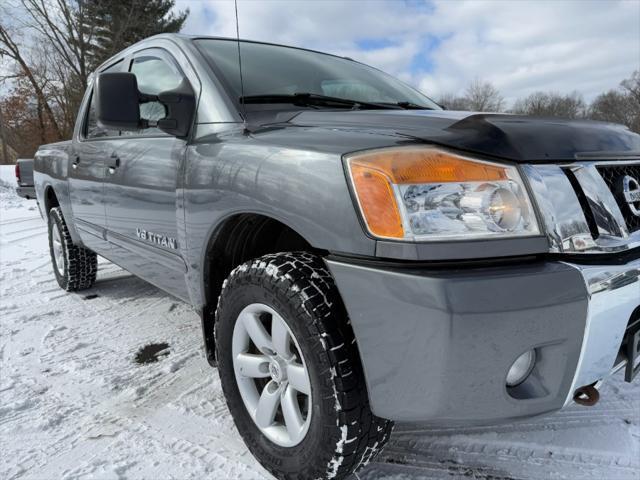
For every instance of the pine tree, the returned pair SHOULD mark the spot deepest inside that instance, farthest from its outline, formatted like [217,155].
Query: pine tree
[117,24]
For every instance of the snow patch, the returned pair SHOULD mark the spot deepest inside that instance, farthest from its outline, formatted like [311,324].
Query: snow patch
[336,461]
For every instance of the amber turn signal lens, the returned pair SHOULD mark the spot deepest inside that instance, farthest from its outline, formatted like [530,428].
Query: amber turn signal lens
[426,165]
[377,201]
[375,173]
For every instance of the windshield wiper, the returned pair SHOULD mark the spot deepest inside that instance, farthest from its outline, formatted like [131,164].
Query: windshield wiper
[411,106]
[306,98]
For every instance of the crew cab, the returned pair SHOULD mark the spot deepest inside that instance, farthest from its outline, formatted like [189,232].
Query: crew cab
[358,255]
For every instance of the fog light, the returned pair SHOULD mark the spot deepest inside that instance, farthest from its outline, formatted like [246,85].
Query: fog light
[521,368]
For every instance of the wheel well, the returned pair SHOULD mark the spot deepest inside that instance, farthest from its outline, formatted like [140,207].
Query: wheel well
[240,238]
[244,237]
[50,199]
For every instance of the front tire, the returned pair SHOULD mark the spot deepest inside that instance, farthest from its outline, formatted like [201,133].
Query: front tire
[332,431]
[74,267]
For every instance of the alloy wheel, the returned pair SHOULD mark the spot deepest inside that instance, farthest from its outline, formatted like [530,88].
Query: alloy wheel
[271,374]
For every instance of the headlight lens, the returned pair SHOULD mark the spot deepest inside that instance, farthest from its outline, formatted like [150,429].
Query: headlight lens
[422,193]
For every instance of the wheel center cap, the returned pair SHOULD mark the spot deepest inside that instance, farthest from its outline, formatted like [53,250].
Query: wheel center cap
[277,371]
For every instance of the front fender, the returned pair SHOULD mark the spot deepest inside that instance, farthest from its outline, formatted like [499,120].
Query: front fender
[305,190]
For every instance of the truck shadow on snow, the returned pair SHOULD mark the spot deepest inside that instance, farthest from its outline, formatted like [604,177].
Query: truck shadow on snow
[122,287]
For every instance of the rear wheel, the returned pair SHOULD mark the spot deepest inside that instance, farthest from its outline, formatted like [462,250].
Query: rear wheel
[291,372]
[74,267]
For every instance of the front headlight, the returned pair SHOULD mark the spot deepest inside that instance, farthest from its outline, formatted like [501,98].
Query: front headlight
[424,193]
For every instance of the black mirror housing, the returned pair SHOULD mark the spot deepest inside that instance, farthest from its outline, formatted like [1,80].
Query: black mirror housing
[118,105]
[180,104]
[117,101]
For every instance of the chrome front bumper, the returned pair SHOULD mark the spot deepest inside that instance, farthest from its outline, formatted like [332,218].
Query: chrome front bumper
[614,294]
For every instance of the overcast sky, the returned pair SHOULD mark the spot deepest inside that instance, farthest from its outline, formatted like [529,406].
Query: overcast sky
[440,46]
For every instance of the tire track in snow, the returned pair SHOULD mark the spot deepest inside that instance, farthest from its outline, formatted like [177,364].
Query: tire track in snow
[594,419]
[20,220]
[38,228]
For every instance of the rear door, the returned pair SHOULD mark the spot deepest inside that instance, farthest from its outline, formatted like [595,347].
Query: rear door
[142,184]
[92,146]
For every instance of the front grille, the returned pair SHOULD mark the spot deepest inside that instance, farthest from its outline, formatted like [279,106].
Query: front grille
[613,176]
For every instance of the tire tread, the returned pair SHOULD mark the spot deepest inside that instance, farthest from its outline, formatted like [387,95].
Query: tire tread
[304,277]
[81,263]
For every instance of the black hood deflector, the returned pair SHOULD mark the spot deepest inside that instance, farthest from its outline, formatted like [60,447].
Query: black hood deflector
[513,137]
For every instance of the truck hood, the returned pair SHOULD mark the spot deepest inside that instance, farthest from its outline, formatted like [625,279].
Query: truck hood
[514,137]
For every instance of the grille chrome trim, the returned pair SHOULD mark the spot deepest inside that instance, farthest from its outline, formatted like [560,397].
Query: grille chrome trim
[605,209]
[563,217]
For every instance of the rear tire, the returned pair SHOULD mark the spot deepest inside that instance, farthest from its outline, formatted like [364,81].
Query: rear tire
[74,267]
[342,434]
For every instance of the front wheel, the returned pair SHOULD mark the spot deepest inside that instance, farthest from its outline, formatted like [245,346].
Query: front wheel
[74,267]
[291,372]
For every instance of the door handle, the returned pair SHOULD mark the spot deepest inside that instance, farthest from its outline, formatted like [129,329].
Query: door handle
[113,162]
[75,163]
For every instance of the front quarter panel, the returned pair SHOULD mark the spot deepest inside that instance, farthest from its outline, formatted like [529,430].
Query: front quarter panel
[232,173]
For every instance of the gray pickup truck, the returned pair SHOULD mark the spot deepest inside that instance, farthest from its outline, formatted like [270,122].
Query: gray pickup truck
[358,254]
[24,178]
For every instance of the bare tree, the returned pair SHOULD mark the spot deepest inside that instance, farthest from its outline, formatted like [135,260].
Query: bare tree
[53,45]
[453,102]
[550,104]
[612,106]
[632,86]
[479,96]
[3,139]
[483,97]
[64,26]
[621,105]
[12,49]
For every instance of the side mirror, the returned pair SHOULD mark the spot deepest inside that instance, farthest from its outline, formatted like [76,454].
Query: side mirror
[181,106]
[117,101]
[118,105]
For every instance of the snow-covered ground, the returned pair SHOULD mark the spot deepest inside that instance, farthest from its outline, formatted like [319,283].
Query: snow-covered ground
[74,403]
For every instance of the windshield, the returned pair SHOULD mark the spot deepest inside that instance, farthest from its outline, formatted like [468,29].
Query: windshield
[276,70]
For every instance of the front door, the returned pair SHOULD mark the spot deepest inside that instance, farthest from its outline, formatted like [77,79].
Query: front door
[142,185]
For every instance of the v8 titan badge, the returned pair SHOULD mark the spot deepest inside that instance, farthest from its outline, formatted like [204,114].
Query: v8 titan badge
[161,240]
